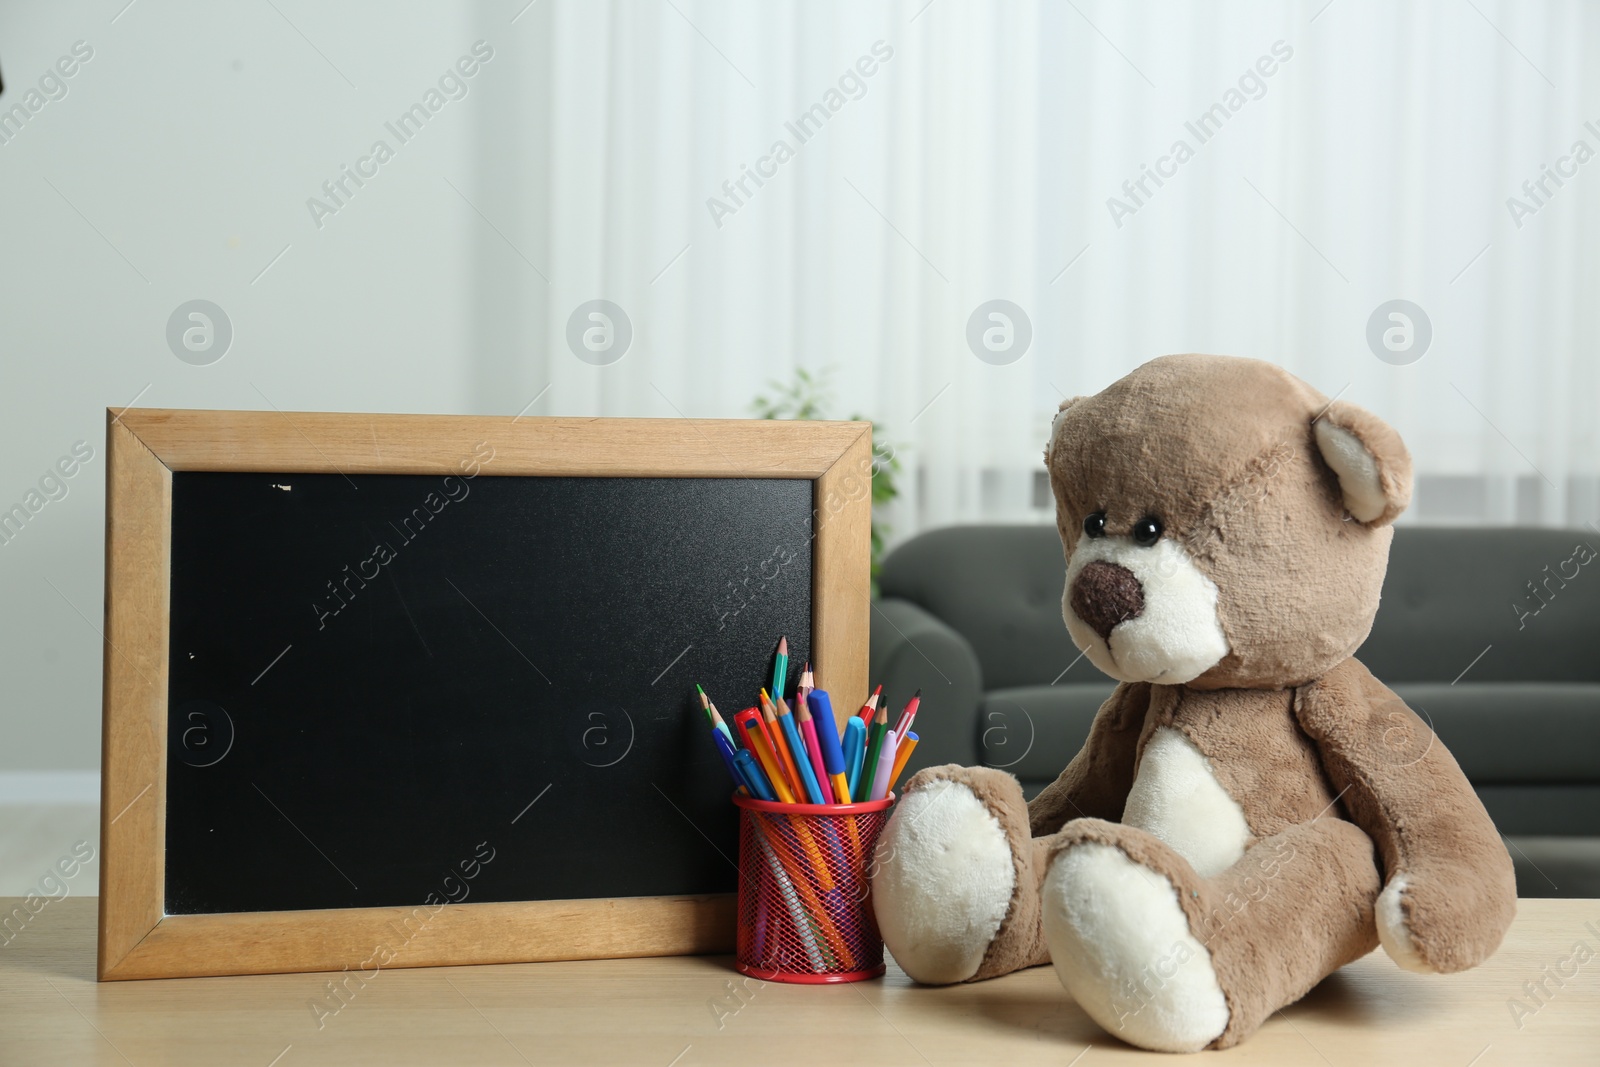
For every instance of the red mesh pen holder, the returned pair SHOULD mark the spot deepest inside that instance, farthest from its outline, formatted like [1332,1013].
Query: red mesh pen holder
[805,909]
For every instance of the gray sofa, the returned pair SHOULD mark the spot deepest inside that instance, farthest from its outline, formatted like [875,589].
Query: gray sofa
[972,616]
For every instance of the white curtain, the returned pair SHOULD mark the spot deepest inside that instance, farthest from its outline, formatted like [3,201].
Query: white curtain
[1371,157]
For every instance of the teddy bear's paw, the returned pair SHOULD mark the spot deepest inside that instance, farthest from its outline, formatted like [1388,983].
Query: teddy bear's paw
[1121,946]
[942,882]
[1393,930]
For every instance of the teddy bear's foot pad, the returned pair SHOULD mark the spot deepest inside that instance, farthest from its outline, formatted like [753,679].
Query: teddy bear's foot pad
[943,882]
[1122,947]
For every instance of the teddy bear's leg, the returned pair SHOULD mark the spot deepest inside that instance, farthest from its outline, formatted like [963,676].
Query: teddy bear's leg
[1167,960]
[955,882]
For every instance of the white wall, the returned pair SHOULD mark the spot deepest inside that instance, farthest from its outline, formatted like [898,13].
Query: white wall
[190,142]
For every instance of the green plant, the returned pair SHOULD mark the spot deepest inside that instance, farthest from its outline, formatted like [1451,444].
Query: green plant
[809,396]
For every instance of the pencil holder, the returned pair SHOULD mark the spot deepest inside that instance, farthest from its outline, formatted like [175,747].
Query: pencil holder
[805,910]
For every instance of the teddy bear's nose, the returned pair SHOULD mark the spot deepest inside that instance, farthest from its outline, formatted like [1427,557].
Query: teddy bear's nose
[1105,594]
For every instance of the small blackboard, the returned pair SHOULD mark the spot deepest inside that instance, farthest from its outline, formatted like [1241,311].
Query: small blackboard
[374,680]
[443,668]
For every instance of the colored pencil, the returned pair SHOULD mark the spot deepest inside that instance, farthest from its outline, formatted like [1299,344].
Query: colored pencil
[713,718]
[827,728]
[804,686]
[808,732]
[755,738]
[780,668]
[797,914]
[902,753]
[880,777]
[907,715]
[855,753]
[869,767]
[780,745]
[796,868]
[797,749]
[871,706]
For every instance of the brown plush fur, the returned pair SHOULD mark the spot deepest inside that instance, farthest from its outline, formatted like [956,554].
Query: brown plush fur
[1342,787]
[1223,451]
[1402,786]
[1295,908]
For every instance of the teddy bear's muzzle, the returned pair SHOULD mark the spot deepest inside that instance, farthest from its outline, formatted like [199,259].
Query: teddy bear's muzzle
[1105,594]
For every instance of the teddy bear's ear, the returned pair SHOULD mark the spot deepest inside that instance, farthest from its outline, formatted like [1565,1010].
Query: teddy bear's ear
[1369,459]
[1055,426]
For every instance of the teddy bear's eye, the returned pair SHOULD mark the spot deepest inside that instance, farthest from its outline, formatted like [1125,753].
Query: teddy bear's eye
[1095,525]
[1147,531]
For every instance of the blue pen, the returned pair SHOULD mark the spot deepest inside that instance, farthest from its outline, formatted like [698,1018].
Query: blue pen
[725,750]
[751,775]
[791,734]
[855,752]
[828,741]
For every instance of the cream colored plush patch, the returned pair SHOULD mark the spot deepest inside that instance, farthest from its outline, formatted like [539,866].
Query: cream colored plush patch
[1393,932]
[1357,470]
[1176,797]
[1121,946]
[1176,638]
[943,883]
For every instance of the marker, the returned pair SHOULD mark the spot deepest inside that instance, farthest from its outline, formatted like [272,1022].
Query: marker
[754,733]
[880,779]
[855,751]
[808,780]
[808,732]
[902,753]
[827,729]
[754,780]
[869,768]
[907,716]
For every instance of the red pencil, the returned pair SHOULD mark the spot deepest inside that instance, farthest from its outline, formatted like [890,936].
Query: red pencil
[870,706]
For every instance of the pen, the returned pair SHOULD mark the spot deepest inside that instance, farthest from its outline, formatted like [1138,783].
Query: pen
[827,730]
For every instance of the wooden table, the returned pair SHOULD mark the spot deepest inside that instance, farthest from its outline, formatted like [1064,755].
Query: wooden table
[682,1011]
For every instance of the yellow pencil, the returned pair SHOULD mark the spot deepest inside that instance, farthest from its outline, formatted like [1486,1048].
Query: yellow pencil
[773,768]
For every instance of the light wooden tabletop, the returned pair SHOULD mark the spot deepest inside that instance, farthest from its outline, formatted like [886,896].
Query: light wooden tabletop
[683,1011]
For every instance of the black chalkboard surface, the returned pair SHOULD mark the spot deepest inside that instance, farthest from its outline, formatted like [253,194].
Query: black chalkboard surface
[386,689]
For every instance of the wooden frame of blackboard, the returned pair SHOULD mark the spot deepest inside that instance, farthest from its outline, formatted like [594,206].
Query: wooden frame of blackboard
[144,446]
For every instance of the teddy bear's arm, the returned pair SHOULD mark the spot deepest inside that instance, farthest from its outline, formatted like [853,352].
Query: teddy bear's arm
[1096,782]
[1450,892]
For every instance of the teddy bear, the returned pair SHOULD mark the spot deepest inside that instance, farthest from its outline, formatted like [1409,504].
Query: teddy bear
[1252,809]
